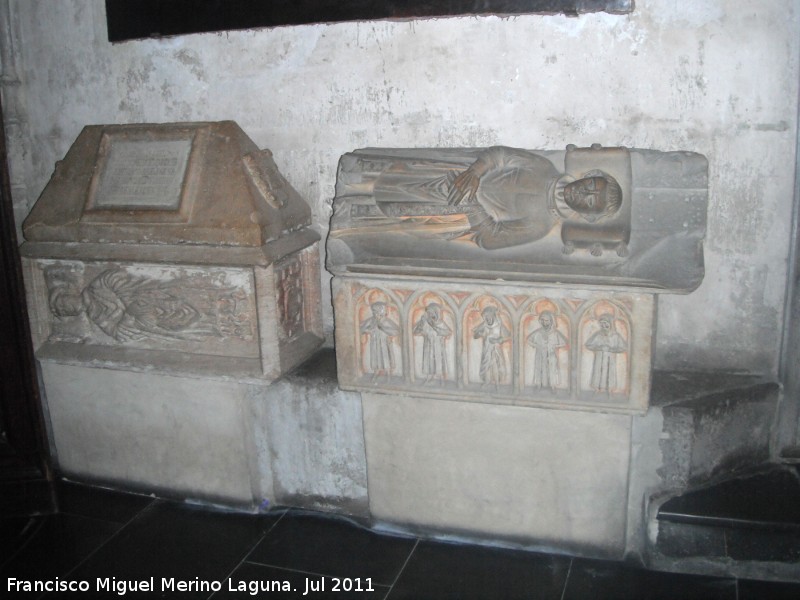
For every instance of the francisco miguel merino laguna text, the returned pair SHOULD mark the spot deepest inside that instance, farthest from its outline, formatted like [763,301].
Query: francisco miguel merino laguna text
[170,584]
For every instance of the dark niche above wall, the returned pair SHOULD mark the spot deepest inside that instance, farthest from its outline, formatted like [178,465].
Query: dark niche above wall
[136,19]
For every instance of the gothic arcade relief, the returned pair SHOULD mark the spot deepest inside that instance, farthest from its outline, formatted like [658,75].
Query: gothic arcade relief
[526,345]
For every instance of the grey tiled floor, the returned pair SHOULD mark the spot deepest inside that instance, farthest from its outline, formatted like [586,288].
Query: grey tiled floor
[100,534]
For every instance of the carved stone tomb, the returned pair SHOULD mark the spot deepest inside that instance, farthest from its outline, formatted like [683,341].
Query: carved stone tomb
[511,276]
[176,247]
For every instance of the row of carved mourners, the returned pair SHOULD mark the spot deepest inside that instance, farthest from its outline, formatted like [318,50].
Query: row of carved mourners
[510,344]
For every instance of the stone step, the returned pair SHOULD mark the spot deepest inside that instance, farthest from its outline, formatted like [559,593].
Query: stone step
[715,425]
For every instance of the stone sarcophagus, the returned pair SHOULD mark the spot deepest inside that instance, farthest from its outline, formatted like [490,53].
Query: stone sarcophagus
[511,276]
[173,247]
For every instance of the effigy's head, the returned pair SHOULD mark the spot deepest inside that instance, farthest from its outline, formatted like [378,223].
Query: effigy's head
[546,319]
[594,195]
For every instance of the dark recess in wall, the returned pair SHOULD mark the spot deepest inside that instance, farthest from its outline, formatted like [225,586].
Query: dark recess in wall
[137,19]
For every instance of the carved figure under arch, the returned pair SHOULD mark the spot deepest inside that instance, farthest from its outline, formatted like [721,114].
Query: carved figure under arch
[431,328]
[379,329]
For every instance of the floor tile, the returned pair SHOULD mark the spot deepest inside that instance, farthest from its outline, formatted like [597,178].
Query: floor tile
[302,585]
[605,580]
[332,546]
[180,541]
[99,503]
[438,570]
[768,590]
[58,544]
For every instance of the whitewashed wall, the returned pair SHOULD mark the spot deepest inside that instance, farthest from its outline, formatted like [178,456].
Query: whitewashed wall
[718,77]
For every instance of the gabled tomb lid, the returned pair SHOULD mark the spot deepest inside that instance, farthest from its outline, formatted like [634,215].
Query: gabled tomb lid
[203,183]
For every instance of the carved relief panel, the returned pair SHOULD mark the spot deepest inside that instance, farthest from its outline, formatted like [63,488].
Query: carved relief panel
[251,323]
[521,345]
[291,298]
[189,309]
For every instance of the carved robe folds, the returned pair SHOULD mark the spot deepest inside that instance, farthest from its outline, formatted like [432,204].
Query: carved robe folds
[178,248]
[511,276]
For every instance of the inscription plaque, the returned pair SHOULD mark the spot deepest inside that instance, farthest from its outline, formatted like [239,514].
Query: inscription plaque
[142,174]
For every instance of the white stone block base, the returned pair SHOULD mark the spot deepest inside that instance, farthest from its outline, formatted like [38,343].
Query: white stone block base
[153,432]
[535,476]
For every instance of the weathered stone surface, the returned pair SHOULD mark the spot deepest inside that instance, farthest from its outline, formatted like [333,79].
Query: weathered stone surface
[173,247]
[170,20]
[494,343]
[310,439]
[298,441]
[152,432]
[608,216]
[701,427]
[554,478]
[719,430]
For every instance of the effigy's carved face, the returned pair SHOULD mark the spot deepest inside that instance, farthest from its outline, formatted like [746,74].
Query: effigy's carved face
[588,196]
[546,321]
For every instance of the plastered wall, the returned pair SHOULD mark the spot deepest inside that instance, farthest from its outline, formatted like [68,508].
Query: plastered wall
[719,77]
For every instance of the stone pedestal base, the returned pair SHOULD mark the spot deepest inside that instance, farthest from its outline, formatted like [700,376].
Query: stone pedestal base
[298,441]
[155,433]
[555,479]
